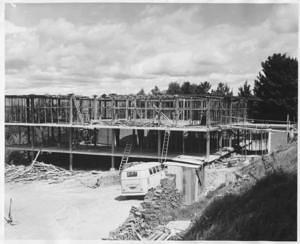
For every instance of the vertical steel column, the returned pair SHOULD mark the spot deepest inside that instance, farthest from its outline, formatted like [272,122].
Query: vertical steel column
[112,149]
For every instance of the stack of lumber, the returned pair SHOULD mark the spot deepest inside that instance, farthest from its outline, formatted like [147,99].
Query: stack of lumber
[36,171]
[154,211]
[160,233]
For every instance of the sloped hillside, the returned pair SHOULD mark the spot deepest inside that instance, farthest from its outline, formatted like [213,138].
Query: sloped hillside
[266,211]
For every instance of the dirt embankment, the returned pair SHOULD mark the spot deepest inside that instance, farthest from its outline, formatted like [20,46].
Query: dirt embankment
[260,204]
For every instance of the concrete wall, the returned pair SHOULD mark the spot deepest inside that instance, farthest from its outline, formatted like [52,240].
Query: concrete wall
[278,139]
[187,182]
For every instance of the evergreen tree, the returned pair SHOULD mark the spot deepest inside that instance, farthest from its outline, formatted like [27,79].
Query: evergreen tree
[277,86]
[245,90]
[222,90]
[203,88]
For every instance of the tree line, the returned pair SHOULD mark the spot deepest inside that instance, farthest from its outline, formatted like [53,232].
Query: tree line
[274,95]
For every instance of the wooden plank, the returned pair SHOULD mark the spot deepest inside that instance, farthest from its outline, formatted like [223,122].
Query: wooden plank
[99,126]
[70,149]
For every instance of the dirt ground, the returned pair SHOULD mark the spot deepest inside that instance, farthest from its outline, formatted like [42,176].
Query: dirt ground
[67,210]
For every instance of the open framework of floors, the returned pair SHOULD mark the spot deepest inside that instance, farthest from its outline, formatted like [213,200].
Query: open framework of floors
[196,126]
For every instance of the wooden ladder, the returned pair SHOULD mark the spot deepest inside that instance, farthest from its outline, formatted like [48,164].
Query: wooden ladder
[125,157]
[164,151]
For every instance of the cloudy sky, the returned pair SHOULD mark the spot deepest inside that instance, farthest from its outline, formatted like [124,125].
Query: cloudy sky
[120,48]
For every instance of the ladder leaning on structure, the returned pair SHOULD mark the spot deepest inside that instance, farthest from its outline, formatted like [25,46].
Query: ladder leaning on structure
[164,151]
[125,157]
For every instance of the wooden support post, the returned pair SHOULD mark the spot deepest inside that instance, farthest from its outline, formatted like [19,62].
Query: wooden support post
[20,134]
[95,137]
[70,149]
[208,112]
[28,135]
[95,107]
[32,112]
[207,144]
[245,110]
[176,110]
[38,111]
[113,113]
[245,141]
[230,138]
[158,143]
[261,145]
[71,109]
[112,149]
[27,110]
[159,110]
[134,110]
[32,137]
[146,109]
[250,140]
[117,110]
[220,139]
[126,108]
[104,110]
[45,110]
[183,109]
[71,161]
[183,148]
[58,110]
[230,112]
[51,110]
[42,135]
[191,109]
[269,141]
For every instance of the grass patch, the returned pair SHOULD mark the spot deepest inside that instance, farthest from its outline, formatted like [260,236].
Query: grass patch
[267,211]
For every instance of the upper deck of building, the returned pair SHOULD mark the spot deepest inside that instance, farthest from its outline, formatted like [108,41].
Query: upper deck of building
[134,111]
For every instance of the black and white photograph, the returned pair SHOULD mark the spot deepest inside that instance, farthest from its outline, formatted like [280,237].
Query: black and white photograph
[150,121]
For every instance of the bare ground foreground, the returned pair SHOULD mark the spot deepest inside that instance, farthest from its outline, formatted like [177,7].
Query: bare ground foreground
[66,210]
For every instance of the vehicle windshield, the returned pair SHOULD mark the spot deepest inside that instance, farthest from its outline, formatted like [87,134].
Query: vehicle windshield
[132,174]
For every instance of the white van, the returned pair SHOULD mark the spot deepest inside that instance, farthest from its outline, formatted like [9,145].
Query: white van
[138,179]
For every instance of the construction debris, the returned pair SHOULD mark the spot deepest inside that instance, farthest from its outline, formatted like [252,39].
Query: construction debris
[36,171]
[145,221]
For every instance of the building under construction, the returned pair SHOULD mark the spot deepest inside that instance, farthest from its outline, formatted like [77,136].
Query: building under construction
[149,127]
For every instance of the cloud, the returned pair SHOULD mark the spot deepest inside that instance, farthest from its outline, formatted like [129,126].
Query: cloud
[284,18]
[165,44]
